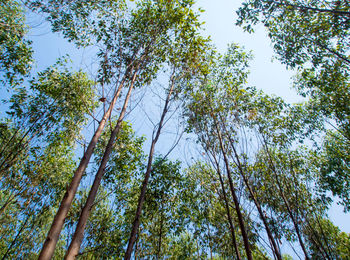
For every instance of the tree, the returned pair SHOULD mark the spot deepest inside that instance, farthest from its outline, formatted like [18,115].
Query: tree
[267,167]
[185,56]
[204,105]
[141,51]
[161,220]
[37,148]
[333,240]
[311,36]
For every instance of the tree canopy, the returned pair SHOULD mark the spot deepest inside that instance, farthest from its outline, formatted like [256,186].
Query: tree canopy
[79,178]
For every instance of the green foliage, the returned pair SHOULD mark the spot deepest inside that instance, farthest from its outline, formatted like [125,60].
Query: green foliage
[161,221]
[295,28]
[15,49]
[33,187]
[37,154]
[80,21]
[313,37]
[334,163]
[56,105]
[184,214]
[327,239]
[127,155]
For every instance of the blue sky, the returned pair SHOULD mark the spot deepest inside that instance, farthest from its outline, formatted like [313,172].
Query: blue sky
[271,77]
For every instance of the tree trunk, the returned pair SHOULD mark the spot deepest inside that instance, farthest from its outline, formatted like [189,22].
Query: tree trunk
[290,213]
[48,248]
[234,196]
[78,236]
[136,222]
[232,229]
[256,202]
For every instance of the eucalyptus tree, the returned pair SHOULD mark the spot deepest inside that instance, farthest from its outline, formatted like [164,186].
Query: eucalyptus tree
[336,241]
[293,176]
[227,117]
[184,58]
[135,44]
[206,211]
[74,247]
[290,197]
[162,219]
[135,47]
[37,152]
[205,216]
[212,154]
[313,37]
[105,236]
[206,109]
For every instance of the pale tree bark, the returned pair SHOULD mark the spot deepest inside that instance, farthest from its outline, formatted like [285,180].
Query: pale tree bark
[78,236]
[141,200]
[49,245]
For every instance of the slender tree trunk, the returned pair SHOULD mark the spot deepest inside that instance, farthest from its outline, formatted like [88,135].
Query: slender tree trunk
[136,222]
[137,245]
[296,226]
[232,229]
[48,248]
[16,237]
[78,236]
[198,255]
[234,196]
[290,213]
[256,202]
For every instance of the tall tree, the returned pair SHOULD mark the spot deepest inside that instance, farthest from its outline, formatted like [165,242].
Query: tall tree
[313,37]
[46,119]
[141,51]
[205,104]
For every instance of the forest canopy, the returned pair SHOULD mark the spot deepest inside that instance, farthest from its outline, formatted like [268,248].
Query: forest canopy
[79,179]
